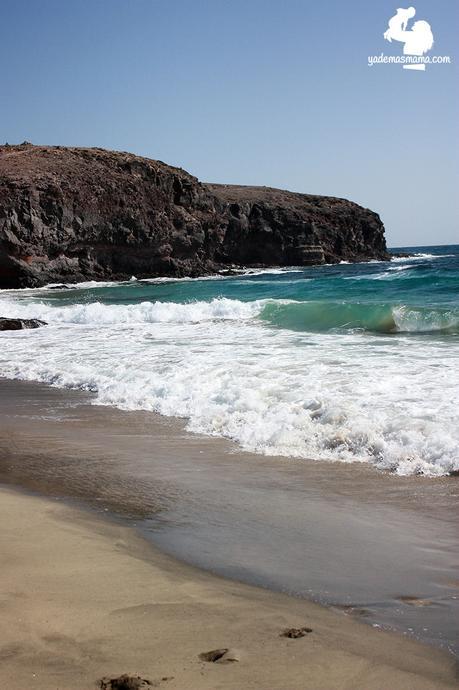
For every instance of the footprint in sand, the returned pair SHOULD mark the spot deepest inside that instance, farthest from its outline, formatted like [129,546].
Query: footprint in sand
[220,656]
[415,601]
[124,682]
[295,633]
[351,610]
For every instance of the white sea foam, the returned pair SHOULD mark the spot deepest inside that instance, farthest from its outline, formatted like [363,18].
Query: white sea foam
[409,320]
[85,285]
[391,273]
[235,273]
[401,268]
[419,257]
[96,313]
[391,401]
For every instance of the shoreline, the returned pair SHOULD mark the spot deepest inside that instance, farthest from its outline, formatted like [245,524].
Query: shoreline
[84,598]
[230,272]
[205,503]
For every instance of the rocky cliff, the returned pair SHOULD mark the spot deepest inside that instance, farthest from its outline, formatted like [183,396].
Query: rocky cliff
[72,214]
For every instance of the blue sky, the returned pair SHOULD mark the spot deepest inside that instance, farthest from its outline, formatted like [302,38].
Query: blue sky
[248,92]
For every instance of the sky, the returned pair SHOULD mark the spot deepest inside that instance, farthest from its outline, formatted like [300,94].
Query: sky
[262,92]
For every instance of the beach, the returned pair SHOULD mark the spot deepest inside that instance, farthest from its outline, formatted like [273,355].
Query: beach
[83,598]
[229,346]
[251,434]
[139,480]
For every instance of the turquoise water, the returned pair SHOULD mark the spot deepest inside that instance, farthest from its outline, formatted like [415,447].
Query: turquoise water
[348,362]
[424,290]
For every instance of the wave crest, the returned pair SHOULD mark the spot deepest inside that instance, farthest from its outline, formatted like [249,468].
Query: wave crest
[317,317]
[238,369]
[98,313]
[377,318]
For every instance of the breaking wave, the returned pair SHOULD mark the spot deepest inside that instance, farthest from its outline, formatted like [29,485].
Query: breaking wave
[377,318]
[297,316]
[325,364]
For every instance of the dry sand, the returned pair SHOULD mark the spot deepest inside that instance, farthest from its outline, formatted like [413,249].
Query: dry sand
[82,598]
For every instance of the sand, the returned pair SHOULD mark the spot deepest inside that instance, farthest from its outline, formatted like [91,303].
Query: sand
[368,542]
[84,598]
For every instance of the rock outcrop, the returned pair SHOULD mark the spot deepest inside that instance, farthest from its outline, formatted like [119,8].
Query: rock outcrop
[73,214]
[275,227]
[19,324]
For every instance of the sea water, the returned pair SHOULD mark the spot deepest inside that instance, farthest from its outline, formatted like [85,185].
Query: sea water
[348,362]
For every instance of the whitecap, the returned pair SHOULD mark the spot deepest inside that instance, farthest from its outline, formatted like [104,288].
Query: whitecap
[350,398]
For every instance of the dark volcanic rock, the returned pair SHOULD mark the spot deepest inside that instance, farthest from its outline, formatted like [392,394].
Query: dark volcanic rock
[19,324]
[276,227]
[72,214]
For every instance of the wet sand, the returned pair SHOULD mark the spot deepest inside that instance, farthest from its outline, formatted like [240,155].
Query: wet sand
[84,599]
[379,547]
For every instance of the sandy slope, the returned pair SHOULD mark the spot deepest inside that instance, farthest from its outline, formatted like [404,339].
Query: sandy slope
[82,598]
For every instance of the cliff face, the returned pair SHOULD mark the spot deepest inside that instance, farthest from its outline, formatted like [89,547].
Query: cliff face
[71,214]
[276,227]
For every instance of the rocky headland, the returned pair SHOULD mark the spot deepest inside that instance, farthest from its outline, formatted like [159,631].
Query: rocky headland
[74,214]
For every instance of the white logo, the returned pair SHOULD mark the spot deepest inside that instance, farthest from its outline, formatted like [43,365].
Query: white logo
[418,40]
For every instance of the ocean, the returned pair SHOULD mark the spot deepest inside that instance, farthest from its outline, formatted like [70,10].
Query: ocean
[348,362]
